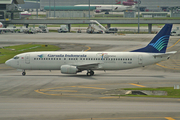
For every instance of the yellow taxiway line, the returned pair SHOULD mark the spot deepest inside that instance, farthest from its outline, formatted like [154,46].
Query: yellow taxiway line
[137,85]
[169,118]
[88,48]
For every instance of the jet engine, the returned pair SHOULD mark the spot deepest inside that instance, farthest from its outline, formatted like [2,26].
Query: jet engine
[98,11]
[68,69]
[129,2]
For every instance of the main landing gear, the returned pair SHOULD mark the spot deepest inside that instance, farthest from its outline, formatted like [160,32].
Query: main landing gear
[90,73]
[23,73]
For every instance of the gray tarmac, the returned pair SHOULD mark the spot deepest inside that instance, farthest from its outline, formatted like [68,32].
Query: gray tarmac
[44,95]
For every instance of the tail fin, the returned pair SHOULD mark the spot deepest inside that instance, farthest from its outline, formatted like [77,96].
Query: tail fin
[118,2]
[159,43]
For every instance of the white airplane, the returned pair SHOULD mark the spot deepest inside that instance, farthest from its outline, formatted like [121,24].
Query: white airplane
[110,8]
[74,62]
[25,14]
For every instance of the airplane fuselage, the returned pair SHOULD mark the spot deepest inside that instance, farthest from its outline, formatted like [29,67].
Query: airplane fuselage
[104,60]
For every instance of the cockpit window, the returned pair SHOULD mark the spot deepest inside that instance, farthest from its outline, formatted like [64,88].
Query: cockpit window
[16,57]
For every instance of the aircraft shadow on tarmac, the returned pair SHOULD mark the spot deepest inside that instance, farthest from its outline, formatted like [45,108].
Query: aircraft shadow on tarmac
[96,75]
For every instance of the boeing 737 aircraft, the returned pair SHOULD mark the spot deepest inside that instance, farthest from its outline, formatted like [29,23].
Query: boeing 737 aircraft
[74,62]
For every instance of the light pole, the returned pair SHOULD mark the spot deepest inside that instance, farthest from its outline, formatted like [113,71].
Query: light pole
[89,9]
[54,8]
[37,10]
[138,14]
[49,9]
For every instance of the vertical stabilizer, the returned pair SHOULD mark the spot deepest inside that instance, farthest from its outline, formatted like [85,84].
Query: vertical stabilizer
[159,43]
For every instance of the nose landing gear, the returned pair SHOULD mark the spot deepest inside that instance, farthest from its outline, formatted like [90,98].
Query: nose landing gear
[23,73]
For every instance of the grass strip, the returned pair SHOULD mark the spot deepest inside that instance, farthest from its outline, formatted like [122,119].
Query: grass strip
[171,92]
[9,52]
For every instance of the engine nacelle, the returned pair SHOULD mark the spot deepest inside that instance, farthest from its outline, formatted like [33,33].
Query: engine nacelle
[98,11]
[129,3]
[68,69]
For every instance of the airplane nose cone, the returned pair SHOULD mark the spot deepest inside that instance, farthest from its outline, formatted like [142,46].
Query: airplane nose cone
[8,62]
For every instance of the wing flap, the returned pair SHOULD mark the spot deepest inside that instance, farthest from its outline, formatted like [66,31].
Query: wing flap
[88,66]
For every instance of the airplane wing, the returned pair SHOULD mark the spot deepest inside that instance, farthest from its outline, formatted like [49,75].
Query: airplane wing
[87,66]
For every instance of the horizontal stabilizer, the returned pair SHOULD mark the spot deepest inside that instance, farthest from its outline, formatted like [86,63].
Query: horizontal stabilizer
[165,54]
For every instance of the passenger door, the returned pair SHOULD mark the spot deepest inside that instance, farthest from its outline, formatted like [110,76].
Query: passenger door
[27,58]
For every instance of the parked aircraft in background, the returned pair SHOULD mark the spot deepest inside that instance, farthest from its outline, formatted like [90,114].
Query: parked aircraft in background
[74,62]
[127,5]
[110,8]
[25,14]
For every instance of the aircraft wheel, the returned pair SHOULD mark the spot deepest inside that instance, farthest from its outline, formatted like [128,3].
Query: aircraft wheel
[90,73]
[23,73]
